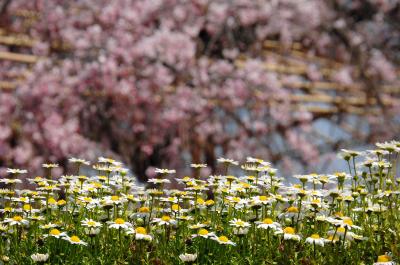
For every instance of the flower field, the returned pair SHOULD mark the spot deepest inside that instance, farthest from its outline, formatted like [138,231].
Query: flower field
[246,215]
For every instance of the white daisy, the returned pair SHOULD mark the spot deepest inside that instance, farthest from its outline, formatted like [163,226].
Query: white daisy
[40,258]
[75,240]
[315,239]
[267,223]
[119,223]
[223,240]
[164,220]
[188,258]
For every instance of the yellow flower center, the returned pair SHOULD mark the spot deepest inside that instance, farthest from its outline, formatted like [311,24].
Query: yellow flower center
[315,236]
[341,230]
[55,232]
[200,201]
[292,209]
[209,202]
[331,238]
[246,185]
[27,207]
[91,223]
[61,202]
[263,198]
[141,230]
[339,214]
[223,239]
[348,221]
[315,201]
[268,221]
[144,210]
[176,207]
[240,222]
[289,230]
[230,178]
[203,232]
[166,218]
[236,199]
[384,258]
[75,239]
[119,221]
[17,218]
[114,198]
[52,201]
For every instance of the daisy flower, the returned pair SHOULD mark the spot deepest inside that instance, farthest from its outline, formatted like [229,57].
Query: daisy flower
[227,161]
[262,200]
[16,220]
[384,260]
[204,233]
[56,233]
[158,181]
[75,240]
[10,181]
[16,171]
[250,159]
[105,160]
[223,240]
[315,239]
[140,234]
[239,223]
[350,152]
[92,231]
[164,220]
[36,218]
[50,165]
[290,212]
[267,223]
[289,234]
[185,218]
[165,171]
[188,258]
[119,223]
[78,161]
[340,232]
[198,165]
[345,222]
[240,231]
[113,200]
[40,258]
[388,146]
[90,223]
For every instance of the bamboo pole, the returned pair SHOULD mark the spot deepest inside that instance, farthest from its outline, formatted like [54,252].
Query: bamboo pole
[21,40]
[5,85]
[297,51]
[27,14]
[18,57]
[341,100]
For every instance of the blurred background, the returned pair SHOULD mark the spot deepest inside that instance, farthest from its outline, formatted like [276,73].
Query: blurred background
[166,83]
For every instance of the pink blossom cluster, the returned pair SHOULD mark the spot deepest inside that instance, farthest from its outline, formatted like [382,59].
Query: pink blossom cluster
[155,81]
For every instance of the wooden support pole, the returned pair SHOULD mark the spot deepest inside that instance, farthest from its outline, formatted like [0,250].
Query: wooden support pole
[22,40]
[18,57]
[5,85]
